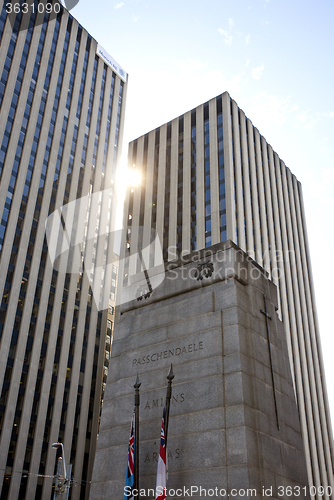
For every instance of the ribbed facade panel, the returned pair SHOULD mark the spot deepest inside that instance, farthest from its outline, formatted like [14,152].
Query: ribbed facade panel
[241,190]
[61,114]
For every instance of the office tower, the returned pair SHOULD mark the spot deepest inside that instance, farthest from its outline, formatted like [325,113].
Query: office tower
[209,176]
[62,107]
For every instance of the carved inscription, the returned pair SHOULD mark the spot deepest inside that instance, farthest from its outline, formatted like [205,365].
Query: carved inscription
[154,456]
[158,356]
[155,403]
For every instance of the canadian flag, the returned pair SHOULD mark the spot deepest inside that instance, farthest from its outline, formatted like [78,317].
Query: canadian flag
[162,474]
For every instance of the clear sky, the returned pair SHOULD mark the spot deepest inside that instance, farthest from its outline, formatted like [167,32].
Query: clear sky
[274,57]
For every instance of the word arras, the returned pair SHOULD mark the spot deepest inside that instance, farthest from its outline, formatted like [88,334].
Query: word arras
[158,356]
[154,456]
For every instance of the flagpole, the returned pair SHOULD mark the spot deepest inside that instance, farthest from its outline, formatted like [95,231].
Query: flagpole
[137,402]
[170,377]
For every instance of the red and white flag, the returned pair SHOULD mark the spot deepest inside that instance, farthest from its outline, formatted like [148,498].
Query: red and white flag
[162,474]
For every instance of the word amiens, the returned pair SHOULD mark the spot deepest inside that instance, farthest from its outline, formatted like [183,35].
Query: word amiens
[178,351]
[161,401]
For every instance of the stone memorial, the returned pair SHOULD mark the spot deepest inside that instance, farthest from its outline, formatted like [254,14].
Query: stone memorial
[233,425]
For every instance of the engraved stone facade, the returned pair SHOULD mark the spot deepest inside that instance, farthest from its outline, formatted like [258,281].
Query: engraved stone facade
[222,429]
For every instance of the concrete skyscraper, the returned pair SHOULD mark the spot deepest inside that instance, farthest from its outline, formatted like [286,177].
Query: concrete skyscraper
[62,100]
[209,176]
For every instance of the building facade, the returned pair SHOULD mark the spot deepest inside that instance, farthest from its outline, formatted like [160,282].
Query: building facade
[209,176]
[61,113]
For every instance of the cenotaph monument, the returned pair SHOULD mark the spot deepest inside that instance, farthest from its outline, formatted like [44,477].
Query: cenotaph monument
[233,424]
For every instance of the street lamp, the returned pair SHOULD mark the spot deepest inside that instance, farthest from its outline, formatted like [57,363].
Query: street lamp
[59,489]
[55,446]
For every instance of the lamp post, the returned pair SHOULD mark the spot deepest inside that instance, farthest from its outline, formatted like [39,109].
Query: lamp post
[62,486]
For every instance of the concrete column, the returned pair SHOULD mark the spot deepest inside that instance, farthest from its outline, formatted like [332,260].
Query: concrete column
[200,198]
[214,180]
[161,185]
[261,198]
[246,186]
[254,191]
[186,202]
[173,190]
[269,209]
[137,193]
[238,179]
[231,233]
[149,191]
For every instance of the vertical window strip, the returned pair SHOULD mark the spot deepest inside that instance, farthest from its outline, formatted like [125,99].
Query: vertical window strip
[16,93]
[155,178]
[250,185]
[104,258]
[96,216]
[64,126]
[234,178]
[193,186]
[207,176]
[106,142]
[129,221]
[142,200]
[120,100]
[143,180]
[3,17]
[88,120]
[221,174]
[78,114]
[11,48]
[180,184]
[155,192]
[242,180]
[19,147]
[264,153]
[167,191]
[99,114]
[22,210]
